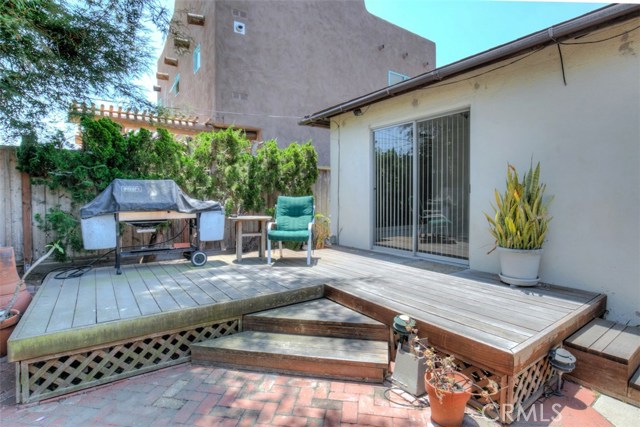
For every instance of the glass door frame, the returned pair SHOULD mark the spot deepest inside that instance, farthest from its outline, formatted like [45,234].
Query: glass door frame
[414,194]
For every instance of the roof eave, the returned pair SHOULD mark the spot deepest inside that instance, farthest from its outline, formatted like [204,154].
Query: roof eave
[535,40]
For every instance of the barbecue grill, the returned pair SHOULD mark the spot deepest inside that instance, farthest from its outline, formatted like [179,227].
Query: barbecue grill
[145,204]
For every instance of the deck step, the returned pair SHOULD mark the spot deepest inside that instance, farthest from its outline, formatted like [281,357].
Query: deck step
[607,354]
[326,357]
[634,388]
[320,317]
[634,382]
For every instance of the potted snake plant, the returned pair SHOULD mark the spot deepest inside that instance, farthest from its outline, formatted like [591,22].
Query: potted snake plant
[519,225]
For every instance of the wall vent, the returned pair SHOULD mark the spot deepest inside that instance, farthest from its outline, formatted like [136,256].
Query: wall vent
[239,13]
[239,27]
[238,96]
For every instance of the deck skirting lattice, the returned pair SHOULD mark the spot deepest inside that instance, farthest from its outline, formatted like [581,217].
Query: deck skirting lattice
[527,386]
[55,375]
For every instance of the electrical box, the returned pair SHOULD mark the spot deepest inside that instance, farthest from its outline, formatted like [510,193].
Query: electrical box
[408,372]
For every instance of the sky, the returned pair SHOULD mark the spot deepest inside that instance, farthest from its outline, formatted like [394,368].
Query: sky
[465,28]
[459,28]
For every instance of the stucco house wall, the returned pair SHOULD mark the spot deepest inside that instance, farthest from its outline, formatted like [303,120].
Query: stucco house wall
[586,134]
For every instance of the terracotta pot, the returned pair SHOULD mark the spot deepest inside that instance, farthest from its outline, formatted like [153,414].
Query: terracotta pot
[22,302]
[6,327]
[9,279]
[447,407]
[8,270]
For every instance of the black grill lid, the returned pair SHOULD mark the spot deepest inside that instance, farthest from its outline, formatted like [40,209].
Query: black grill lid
[126,195]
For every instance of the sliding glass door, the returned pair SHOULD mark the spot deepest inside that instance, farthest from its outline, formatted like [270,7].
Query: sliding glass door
[393,154]
[422,186]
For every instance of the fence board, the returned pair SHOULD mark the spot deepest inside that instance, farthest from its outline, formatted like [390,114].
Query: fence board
[321,191]
[38,207]
[10,202]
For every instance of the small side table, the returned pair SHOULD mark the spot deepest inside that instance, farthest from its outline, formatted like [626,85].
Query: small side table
[262,232]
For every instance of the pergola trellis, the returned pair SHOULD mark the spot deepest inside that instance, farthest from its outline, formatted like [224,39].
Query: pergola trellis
[178,125]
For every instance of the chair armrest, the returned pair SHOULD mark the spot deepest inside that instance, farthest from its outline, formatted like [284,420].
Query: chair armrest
[271,225]
[313,220]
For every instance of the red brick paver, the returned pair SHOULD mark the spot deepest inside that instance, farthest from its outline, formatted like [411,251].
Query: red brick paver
[190,395]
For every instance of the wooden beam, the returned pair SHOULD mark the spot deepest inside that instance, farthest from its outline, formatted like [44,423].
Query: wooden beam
[157,88]
[162,76]
[181,43]
[195,19]
[482,355]
[553,335]
[171,61]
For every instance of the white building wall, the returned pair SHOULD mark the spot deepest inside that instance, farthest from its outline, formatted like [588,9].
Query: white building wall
[585,134]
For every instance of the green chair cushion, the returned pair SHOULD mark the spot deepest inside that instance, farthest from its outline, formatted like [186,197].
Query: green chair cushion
[294,213]
[289,236]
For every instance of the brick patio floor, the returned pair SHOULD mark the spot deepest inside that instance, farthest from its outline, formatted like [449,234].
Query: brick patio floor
[190,395]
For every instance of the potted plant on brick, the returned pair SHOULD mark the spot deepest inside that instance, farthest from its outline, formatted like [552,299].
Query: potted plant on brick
[519,225]
[448,389]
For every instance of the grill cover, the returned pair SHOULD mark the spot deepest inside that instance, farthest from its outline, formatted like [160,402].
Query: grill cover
[126,195]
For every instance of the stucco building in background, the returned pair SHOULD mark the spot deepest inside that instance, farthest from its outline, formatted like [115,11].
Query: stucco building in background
[262,64]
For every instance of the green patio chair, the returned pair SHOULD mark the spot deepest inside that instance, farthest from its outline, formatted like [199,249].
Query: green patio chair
[293,223]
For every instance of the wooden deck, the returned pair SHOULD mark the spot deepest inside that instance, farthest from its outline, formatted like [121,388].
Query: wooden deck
[487,324]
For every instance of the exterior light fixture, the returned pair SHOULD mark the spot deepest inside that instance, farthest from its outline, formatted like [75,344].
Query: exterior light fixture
[563,362]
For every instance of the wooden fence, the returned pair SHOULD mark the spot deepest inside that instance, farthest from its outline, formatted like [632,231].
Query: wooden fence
[19,200]
[11,230]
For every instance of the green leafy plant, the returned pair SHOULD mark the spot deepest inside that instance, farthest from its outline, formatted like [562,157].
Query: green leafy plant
[55,52]
[520,219]
[62,228]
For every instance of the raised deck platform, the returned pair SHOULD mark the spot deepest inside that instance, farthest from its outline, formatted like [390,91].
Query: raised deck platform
[82,332]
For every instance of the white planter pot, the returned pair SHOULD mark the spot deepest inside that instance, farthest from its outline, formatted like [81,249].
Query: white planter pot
[519,267]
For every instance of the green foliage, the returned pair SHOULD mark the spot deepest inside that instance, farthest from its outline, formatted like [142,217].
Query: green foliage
[298,170]
[55,52]
[213,166]
[520,219]
[233,159]
[106,154]
[62,228]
